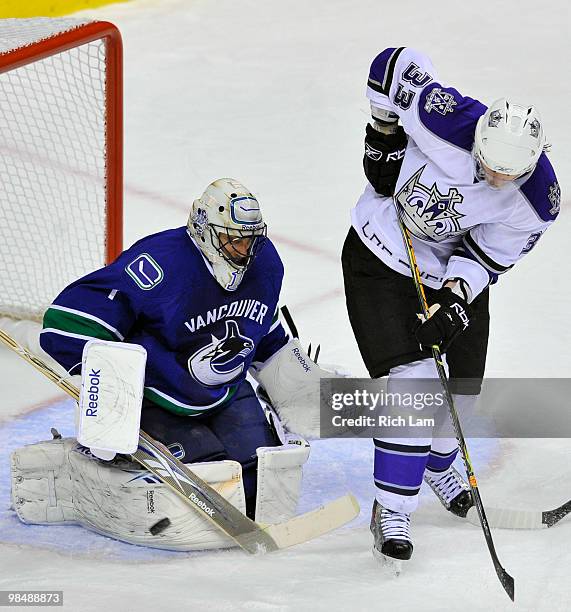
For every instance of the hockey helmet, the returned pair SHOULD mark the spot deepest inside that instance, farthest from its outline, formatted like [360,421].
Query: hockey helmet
[509,139]
[226,224]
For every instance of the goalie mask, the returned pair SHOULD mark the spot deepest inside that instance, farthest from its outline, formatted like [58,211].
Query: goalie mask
[226,223]
[509,139]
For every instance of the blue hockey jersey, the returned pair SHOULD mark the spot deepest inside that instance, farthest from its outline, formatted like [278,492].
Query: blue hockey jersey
[161,294]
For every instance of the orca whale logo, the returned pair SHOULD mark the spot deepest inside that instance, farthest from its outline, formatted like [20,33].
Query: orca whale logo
[221,361]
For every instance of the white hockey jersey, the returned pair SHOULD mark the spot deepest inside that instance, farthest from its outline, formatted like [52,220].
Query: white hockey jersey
[460,227]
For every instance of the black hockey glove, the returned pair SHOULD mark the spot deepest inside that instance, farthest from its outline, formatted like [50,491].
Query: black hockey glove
[447,322]
[383,158]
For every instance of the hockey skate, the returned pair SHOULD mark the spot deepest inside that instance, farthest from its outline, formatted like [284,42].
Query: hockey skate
[391,532]
[452,490]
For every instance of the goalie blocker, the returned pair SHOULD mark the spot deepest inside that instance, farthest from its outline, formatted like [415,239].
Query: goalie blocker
[112,380]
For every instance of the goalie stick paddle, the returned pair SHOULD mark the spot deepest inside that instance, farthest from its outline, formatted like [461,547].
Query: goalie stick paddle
[249,535]
[505,579]
[506,518]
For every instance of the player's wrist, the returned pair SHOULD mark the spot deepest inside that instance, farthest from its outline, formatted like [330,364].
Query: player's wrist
[450,318]
[459,287]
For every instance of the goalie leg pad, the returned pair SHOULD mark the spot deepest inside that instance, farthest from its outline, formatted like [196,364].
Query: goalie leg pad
[58,482]
[279,479]
[234,433]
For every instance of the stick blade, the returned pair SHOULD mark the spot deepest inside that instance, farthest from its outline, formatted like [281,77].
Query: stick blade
[552,517]
[315,523]
[507,582]
[504,518]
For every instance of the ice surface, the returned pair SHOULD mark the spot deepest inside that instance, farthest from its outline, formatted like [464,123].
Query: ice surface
[272,93]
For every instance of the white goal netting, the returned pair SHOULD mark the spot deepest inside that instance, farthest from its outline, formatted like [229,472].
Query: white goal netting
[54,199]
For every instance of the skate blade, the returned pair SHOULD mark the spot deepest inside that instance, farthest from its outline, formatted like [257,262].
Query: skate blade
[392,565]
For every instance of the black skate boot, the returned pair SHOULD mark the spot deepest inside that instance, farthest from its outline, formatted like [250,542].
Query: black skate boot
[452,490]
[391,531]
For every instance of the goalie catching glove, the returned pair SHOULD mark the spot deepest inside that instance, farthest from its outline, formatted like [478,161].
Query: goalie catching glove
[291,380]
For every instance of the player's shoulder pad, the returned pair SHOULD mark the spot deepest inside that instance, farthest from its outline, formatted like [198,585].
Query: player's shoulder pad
[411,70]
[449,115]
[542,190]
[382,70]
[150,260]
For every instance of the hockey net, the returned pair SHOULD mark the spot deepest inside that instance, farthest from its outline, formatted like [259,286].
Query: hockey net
[60,157]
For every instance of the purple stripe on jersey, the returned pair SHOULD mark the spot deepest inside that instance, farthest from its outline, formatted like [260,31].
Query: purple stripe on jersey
[440,462]
[449,115]
[382,69]
[542,190]
[396,470]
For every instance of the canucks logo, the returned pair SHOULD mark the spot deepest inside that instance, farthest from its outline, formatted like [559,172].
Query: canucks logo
[221,361]
[427,213]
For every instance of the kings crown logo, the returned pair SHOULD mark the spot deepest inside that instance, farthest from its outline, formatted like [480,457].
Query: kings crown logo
[427,213]
[554,198]
[440,101]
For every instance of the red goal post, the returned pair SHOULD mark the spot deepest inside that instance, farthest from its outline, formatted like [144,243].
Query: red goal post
[61,157]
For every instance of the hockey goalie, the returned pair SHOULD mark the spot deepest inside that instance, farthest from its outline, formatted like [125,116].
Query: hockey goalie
[163,339]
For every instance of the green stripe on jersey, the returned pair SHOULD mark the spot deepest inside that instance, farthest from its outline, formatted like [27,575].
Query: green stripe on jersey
[76,324]
[163,401]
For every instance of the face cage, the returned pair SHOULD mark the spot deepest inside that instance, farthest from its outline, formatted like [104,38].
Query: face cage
[258,237]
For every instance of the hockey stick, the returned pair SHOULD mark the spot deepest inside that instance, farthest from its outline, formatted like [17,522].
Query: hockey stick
[293,330]
[289,320]
[506,580]
[505,518]
[249,535]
